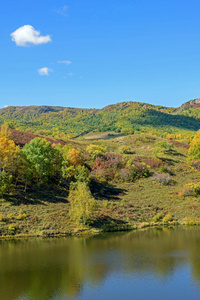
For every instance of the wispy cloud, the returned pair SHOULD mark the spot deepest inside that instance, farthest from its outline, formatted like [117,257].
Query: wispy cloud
[70,74]
[27,35]
[62,11]
[5,106]
[66,62]
[44,71]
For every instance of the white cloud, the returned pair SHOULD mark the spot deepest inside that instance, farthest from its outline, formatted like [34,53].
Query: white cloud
[70,74]
[62,11]
[66,62]
[5,106]
[44,71]
[27,35]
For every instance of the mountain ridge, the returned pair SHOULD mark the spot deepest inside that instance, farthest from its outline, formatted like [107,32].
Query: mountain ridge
[50,108]
[53,108]
[125,117]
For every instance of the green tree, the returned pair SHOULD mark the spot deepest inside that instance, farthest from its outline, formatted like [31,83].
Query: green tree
[82,204]
[42,160]
[5,182]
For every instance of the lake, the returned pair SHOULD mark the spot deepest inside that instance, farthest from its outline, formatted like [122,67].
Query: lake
[149,264]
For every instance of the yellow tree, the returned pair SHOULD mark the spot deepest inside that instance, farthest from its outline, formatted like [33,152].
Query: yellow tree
[74,157]
[8,153]
[71,160]
[194,151]
[82,204]
[95,150]
[5,130]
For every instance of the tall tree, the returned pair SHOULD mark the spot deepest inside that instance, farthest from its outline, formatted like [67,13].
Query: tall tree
[8,154]
[42,160]
[82,204]
[194,151]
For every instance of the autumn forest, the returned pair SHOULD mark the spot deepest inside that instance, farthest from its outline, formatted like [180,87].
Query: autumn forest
[69,171]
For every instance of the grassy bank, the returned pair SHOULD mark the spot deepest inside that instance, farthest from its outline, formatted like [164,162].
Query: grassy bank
[122,206]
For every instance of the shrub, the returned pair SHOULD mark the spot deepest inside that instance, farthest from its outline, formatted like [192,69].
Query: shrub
[107,165]
[125,174]
[111,166]
[152,162]
[110,160]
[190,189]
[157,217]
[164,169]
[138,170]
[196,165]
[3,219]
[181,194]
[162,147]
[21,216]
[126,150]
[131,173]
[95,150]
[167,218]
[12,229]
[162,178]
[117,177]
[105,203]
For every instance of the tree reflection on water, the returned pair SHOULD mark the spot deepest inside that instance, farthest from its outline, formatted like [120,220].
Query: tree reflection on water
[61,268]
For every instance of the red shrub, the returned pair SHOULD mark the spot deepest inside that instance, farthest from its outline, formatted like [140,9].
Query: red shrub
[153,163]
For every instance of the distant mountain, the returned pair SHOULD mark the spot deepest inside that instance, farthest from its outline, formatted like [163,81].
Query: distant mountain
[124,117]
[30,110]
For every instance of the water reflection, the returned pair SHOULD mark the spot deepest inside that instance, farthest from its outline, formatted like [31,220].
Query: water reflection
[133,265]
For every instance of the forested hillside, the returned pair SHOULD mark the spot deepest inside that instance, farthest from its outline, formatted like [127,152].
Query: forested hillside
[125,117]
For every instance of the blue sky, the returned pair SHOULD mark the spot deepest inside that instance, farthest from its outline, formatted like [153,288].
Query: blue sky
[95,53]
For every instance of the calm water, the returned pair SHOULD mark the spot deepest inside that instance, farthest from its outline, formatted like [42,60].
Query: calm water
[151,264]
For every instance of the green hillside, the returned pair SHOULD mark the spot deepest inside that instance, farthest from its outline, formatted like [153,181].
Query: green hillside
[126,117]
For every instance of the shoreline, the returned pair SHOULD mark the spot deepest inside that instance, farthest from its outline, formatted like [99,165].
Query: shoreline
[90,232]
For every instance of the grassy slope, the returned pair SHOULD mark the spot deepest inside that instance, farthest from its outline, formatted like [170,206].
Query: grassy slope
[121,117]
[45,210]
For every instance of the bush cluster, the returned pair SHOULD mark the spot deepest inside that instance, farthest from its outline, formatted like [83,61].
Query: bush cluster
[190,189]
[162,178]
[115,167]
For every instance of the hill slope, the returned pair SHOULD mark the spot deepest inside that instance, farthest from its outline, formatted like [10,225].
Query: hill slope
[45,209]
[125,117]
